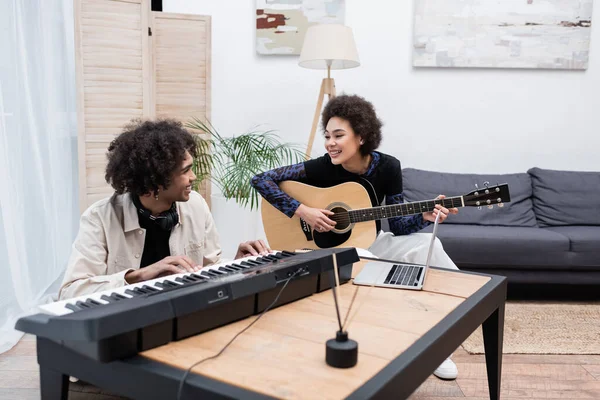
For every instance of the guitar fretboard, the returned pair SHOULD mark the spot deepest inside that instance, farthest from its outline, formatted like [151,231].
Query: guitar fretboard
[399,210]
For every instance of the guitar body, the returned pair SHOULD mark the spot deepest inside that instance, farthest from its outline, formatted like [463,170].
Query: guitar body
[284,233]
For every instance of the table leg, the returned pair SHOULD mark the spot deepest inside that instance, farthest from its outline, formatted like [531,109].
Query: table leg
[493,334]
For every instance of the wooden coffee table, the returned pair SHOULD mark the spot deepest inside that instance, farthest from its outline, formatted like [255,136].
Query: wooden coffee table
[402,335]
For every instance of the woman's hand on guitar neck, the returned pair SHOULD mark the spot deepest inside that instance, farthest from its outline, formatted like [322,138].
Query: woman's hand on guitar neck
[315,217]
[430,216]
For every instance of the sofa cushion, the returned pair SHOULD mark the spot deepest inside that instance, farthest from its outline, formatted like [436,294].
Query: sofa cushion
[582,238]
[477,245]
[565,197]
[424,185]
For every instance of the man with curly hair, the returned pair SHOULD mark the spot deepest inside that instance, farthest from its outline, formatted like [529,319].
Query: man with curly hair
[154,224]
[352,133]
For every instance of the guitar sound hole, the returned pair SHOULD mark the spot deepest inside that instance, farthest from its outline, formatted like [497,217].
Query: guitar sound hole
[341,217]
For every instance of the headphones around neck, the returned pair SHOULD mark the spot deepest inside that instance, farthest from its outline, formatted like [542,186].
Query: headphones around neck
[166,220]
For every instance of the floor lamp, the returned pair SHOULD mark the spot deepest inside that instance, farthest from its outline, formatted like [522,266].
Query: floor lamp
[327,46]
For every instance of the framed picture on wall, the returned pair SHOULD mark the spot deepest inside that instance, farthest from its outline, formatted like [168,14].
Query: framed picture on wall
[282,24]
[549,34]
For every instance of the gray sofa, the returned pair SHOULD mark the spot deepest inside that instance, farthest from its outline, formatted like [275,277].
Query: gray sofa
[548,234]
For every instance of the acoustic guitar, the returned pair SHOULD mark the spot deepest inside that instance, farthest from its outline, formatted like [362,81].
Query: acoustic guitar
[354,214]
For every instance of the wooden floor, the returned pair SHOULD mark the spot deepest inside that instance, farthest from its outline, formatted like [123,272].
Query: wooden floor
[532,377]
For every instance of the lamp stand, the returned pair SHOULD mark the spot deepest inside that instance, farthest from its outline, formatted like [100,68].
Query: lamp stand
[327,88]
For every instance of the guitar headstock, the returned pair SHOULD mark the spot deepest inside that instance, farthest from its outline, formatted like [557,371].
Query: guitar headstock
[488,196]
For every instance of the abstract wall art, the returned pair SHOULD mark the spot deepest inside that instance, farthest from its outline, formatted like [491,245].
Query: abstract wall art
[282,24]
[549,34]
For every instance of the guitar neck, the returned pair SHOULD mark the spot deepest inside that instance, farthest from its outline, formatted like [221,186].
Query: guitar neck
[403,209]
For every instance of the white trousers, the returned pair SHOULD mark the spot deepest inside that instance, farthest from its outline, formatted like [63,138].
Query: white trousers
[411,248]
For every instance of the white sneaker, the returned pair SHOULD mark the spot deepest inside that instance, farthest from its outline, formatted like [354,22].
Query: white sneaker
[447,370]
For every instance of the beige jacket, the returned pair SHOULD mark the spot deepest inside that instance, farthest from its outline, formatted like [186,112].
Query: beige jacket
[110,243]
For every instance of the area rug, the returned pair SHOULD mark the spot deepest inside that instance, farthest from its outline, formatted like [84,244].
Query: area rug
[546,328]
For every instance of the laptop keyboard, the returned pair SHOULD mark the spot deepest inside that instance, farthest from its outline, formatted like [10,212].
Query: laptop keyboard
[404,275]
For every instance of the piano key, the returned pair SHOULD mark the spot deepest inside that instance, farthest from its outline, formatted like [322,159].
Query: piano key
[92,303]
[72,307]
[216,271]
[132,292]
[82,304]
[123,293]
[109,299]
[188,279]
[150,288]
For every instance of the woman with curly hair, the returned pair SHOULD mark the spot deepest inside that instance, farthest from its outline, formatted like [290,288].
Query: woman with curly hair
[352,133]
[154,224]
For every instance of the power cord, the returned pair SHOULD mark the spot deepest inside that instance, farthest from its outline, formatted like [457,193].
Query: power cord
[187,372]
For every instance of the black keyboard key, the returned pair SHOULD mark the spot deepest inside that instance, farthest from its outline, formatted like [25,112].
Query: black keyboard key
[179,279]
[82,305]
[72,307]
[108,299]
[288,253]
[206,274]
[225,270]
[132,293]
[277,256]
[92,303]
[234,269]
[201,278]
[150,289]
[140,290]
[217,272]
[239,266]
[270,258]
[213,274]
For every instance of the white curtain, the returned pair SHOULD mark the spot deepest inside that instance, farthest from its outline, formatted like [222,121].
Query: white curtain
[38,155]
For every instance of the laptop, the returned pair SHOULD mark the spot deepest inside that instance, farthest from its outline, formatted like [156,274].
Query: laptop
[386,273]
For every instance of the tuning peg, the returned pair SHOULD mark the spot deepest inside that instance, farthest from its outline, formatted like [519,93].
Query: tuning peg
[490,206]
[486,184]
[500,205]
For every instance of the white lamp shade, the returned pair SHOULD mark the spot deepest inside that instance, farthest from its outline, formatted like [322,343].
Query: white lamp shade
[331,43]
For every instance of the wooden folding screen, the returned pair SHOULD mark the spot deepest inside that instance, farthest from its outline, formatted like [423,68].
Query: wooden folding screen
[134,63]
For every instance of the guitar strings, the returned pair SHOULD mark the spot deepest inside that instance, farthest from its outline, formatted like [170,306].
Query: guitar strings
[344,216]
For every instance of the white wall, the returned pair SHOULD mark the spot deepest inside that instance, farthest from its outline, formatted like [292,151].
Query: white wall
[460,120]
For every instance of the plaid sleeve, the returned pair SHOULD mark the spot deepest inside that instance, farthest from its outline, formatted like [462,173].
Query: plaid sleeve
[266,184]
[404,225]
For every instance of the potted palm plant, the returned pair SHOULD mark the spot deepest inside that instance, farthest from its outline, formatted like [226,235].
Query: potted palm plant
[230,163]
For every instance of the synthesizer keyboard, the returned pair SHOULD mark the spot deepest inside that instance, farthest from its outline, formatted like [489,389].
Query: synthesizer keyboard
[119,323]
